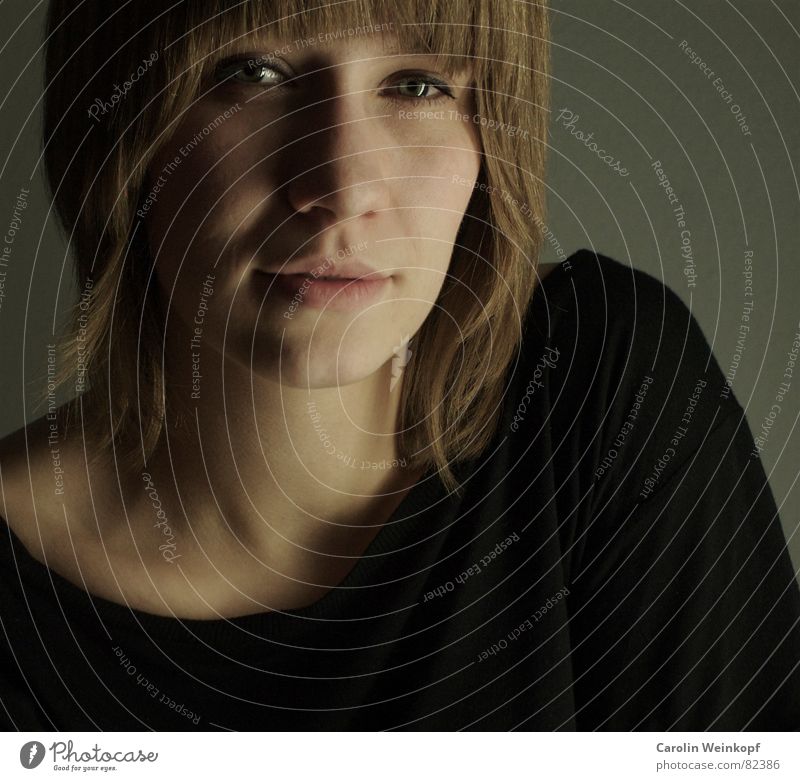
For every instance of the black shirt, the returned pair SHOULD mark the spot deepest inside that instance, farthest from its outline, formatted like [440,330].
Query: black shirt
[615,561]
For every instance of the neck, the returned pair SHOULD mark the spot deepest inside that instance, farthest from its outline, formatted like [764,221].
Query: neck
[242,456]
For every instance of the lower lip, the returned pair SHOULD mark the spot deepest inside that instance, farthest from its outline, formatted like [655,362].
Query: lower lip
[341,295]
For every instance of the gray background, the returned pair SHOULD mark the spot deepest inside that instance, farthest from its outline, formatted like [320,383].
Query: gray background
[620,68]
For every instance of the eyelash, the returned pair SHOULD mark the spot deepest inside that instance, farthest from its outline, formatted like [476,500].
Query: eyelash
[226,70]
[444,89]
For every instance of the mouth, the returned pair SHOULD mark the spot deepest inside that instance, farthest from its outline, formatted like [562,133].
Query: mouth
[329,269]
[331,293]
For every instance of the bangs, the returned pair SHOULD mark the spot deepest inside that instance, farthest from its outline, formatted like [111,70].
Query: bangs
[446,30]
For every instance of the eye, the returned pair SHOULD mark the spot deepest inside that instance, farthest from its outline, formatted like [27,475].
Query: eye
[419,87]
[252,70]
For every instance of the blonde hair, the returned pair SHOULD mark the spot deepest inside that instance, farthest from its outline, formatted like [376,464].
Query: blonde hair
[96,172]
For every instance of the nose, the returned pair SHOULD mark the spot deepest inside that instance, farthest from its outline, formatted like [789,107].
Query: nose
[338,171]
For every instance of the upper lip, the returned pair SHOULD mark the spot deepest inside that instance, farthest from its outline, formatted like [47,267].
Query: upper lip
[347,268]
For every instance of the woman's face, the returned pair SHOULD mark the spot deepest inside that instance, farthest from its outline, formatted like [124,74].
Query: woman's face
[335,159]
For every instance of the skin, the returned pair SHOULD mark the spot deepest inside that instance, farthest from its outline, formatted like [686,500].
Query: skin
[261,515]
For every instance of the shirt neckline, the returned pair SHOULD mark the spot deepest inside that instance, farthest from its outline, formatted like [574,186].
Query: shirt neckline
[428,491]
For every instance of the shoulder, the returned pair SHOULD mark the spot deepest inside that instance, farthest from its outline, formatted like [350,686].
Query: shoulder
[42,475]
[633,363]
[23,461]
[605,291]
[615,321]
[24,479]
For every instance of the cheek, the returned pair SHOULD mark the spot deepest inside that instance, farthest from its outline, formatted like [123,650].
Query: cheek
[200,193]
[441,173]
[437,183]
[440,191]
[196,222]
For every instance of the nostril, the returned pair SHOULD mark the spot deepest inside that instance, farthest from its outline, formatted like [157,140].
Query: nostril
[339,191]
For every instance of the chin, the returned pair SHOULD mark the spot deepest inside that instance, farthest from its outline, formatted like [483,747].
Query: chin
[320,366]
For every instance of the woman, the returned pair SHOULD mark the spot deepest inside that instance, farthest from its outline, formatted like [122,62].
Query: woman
[342,454]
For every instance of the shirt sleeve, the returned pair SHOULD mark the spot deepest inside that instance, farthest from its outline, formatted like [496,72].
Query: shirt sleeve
[684,607]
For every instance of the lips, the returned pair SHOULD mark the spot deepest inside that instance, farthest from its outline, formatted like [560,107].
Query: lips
[319,268]
[341,294]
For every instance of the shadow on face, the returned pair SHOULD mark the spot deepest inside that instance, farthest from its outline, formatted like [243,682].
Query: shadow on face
[350,160]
